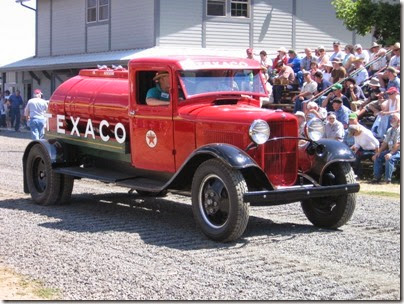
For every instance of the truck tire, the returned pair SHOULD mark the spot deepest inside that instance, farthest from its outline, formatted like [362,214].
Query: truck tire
[332,212]
[217,201]
[43,183]
[66,189]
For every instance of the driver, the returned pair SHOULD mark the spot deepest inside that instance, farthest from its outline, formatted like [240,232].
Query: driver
[159,95]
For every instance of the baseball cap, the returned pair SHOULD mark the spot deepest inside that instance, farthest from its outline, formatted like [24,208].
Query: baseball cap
[392,69]
[37,91]
[300,113]
[336,86]
[282,49]
[338,100]
[392,90]
[357,46]
[353,116]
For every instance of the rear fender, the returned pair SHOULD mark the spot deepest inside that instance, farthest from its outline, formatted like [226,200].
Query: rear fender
[55,151]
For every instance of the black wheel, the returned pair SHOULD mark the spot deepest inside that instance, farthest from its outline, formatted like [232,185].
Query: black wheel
[152,194]
[332,212]
[217,201]
[66,188]
[43,184]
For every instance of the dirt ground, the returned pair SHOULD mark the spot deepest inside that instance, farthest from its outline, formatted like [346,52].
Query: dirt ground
[14,286]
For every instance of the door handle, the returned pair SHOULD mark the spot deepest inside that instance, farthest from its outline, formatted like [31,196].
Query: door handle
[132,113]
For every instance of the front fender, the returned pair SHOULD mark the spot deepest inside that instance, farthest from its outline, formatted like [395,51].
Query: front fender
[330,151]
[55,151]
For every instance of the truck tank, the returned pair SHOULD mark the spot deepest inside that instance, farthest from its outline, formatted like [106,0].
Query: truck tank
[96,95]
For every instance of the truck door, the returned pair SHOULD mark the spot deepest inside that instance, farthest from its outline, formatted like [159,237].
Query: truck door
[151,119]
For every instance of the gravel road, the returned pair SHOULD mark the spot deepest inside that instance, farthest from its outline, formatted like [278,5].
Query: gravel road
[108,244]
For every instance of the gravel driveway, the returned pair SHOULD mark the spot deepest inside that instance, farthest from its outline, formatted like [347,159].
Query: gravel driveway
[108,244]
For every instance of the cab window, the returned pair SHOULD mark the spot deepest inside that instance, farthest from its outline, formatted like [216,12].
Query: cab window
[153,88]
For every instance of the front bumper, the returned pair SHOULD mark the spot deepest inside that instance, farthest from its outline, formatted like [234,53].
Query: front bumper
[297,193]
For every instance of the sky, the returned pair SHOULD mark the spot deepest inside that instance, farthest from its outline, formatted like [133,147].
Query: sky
[17,31]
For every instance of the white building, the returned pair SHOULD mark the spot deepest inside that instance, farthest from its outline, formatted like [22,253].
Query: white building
[73,34]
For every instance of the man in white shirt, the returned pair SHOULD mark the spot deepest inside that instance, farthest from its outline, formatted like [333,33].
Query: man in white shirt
[377,52]
[360,53]
[337,51]
[307,92]
[364,147]
[35,114]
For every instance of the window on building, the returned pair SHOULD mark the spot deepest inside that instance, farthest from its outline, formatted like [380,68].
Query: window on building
[238,8]
[97,10]
[216,8]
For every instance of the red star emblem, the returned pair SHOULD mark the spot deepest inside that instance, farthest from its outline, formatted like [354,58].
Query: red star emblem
[151,139]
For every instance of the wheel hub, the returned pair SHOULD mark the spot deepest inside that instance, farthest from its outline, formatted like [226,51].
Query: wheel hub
[211,202]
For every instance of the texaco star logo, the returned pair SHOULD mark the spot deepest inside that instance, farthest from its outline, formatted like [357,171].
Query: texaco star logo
[151,139]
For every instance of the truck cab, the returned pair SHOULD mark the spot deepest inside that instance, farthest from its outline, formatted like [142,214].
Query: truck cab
[208,136]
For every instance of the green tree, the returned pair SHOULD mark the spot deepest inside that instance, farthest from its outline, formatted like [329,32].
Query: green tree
[365,16]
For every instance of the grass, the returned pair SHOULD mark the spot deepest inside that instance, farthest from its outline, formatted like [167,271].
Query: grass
[38,289]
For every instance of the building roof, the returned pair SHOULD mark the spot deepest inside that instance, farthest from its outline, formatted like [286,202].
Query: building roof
[107,58]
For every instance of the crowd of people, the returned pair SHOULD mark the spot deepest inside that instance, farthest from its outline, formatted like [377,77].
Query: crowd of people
[354,91]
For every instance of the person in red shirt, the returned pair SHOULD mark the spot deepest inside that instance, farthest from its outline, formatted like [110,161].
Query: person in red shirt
[281,57]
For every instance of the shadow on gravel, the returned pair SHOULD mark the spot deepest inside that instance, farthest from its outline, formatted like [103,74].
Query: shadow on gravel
[11,133]
[156,221]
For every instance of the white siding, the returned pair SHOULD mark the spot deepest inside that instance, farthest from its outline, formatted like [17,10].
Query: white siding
[132,24]
[44,35]
[97,38]
[272,24]
[225,34]
[316,24]
[181,22]
[68,27]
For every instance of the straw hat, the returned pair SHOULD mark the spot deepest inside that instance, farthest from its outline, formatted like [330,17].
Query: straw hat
[160,75]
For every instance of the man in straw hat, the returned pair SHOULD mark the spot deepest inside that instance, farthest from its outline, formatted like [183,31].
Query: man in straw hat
[395,59]
[376,52]
[364,147]
[159,95]
[372,105]
[281,57]
[362,75]
[338,71]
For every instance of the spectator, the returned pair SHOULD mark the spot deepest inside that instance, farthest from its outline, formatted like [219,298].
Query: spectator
[7,108]
[314,111]
[388,153]
[301,121]
[377,52]
[338,71]
[336,92]
[364,147]
[361,73]
[285,77]
[35,114]
[322,58]
[349,56]
[322,84]
[373,103]
[3,108]
[393,103]
[313,68]
[266,64]
[250,53]
[360,53]
[308,89]
[15,103]
[394,81]
[337,51]
[281,57]
[305,63]
[327,71]
[352,120]
[294,61]
[354,93]
[395,60]
[341,111]
[333,129]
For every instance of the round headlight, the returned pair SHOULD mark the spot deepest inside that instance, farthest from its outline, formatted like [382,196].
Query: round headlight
[315,129]
[259,131]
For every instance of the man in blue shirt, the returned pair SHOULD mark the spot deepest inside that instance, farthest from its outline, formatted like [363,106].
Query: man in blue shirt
[159,95]
[341,111]
[294,62]
[15,101]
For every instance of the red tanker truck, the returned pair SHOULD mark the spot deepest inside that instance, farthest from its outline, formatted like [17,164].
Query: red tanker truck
[210,138]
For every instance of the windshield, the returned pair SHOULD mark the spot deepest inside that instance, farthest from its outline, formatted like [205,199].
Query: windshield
[235,81]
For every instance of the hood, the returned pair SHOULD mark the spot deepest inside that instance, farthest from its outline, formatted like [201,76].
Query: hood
[232,113]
